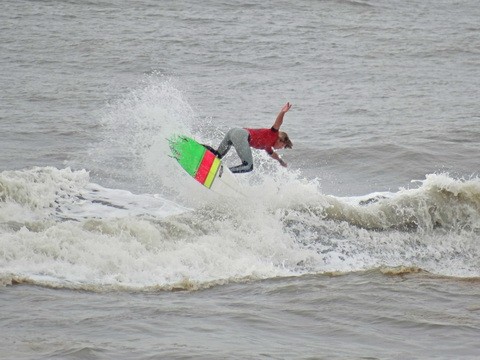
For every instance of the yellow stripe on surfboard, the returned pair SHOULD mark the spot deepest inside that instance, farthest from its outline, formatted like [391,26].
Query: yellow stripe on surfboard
[211,174]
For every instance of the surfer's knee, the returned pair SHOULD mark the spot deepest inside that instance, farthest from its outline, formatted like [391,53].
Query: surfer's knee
[244,168]
[247,167]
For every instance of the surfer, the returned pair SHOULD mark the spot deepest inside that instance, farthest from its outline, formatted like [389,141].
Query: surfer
[264,139]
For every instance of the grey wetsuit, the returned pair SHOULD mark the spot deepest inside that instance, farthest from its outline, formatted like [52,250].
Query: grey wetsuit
[239,139]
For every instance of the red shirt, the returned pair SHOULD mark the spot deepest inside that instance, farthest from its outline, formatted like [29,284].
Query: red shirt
[263,139]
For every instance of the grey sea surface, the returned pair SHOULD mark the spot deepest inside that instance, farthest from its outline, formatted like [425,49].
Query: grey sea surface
[321,317]
[366,246]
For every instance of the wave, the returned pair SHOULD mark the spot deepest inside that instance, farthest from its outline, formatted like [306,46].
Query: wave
[59,229]
[440,202]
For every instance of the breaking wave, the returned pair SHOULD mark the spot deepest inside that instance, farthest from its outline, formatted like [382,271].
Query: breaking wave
[59,229]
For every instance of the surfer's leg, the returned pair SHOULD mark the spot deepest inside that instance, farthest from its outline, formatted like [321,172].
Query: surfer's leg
[239,139]
[211,149]
[245,167]
[225,145]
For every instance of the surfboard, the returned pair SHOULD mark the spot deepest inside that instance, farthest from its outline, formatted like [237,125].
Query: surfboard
[202,164]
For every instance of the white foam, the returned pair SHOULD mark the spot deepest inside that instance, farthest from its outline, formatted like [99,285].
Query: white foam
[99,238]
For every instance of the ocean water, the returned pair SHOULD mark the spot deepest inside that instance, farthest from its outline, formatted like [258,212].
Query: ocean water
[367,246]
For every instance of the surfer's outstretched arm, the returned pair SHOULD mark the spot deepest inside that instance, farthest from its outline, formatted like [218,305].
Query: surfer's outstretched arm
[279,119]
[275,156]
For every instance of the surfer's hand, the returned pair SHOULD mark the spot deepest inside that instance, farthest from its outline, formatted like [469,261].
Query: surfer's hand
[286,107]
[283,163]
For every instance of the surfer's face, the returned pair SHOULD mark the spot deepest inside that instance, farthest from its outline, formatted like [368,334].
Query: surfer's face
[279,144]
[283,141]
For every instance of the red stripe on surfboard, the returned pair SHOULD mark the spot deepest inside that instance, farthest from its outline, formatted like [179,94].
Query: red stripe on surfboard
[205,166]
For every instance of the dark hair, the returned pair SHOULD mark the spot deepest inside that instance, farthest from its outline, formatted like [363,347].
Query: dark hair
[283,136]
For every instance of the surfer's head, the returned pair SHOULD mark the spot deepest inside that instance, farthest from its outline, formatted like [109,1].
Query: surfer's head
[283,141]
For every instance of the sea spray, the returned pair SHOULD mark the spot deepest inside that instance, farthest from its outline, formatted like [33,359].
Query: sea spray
[134,132]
